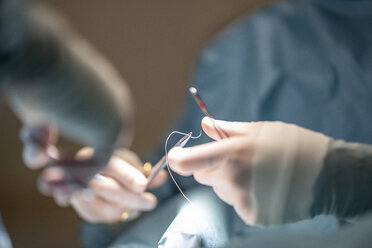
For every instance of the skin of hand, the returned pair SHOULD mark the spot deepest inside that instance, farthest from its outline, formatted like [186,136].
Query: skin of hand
[118,187]
[62,173]
[225,165]
[57,81]
[37,140]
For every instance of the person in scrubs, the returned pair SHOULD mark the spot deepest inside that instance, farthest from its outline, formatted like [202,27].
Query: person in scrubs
[58,85]
[304,62]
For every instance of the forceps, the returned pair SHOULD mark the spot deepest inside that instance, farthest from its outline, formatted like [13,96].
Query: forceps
[154,170]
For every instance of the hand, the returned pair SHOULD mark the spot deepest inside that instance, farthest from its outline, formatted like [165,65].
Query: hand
[116,189]
[62,173]
[38,141]
[224,165]
[266,170]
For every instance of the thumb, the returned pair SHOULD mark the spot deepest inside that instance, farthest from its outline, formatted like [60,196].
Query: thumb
[38,142]
[228,127]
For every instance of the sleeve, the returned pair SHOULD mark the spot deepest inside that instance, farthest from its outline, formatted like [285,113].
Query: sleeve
[100,235]
[356,235]
[344,184]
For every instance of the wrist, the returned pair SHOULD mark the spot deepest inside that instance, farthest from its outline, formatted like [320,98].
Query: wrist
[286,162]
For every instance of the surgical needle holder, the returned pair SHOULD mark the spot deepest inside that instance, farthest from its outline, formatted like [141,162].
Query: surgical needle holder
[154,170]
[221,133]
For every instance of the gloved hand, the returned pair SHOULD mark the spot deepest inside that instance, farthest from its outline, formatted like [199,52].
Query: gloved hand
[62,172]
[56,83]
[118,189]
[265,170]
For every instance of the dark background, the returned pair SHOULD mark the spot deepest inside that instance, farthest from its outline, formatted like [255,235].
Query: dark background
[153,44]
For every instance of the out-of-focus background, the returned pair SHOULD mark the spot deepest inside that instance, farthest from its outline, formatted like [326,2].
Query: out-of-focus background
[154,45]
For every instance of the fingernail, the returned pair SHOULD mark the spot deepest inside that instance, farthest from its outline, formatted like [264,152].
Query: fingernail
[174,154]
[52,151]
[207,120]
[101,178]
[140,183]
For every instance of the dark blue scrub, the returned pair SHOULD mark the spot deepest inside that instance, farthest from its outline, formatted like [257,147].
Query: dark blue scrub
[307,62]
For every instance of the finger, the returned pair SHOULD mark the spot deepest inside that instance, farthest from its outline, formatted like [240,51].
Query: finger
[85,153]
[125,174]
[127,155]
[54,179]
[186,161]
[158,180]
[96,210]
[130,157]
[53,175]
[34,156]
[52,182]
[43,187]
[112,191]
[62,196]
[37,144]
[211,176]
[230,128]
